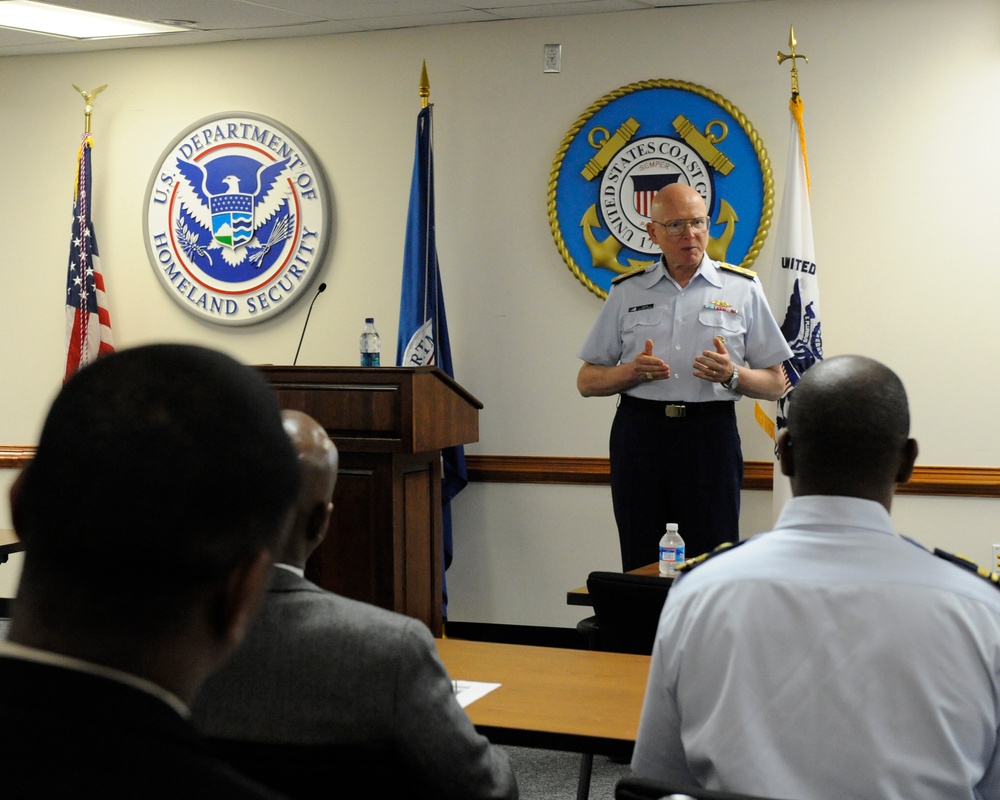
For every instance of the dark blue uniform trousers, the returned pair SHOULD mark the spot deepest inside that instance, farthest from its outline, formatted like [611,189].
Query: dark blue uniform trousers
[687,470]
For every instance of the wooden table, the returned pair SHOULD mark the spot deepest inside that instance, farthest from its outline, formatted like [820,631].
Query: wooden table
[9,543]
[552,698]
[581,597]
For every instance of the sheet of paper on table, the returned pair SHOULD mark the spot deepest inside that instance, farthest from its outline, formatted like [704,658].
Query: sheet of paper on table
[469,691]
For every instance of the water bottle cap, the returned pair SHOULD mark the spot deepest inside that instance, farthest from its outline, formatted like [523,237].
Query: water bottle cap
[370,319]
[672,526]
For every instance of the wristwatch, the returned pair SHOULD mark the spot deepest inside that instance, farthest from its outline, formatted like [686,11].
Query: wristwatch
[734,381]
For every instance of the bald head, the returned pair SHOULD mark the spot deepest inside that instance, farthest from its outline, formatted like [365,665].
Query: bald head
[675,201]
[683,251]
[848,429]
[318,461]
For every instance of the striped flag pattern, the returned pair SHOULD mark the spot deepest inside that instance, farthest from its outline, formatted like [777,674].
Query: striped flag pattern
[88,324]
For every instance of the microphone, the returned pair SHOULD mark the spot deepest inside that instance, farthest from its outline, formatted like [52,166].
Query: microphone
[319,291]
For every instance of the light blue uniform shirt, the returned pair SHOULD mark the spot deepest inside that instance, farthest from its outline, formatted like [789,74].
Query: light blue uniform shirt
[827,659]
[682,324]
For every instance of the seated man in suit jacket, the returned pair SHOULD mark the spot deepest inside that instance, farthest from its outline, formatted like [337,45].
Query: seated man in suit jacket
[161,485]
[317,668]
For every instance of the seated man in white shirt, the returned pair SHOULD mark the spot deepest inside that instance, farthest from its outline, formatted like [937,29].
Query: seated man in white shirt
[320,669]
[830,658]
[160,489]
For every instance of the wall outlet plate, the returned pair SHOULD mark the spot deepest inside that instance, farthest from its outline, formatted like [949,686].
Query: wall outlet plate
[552,58]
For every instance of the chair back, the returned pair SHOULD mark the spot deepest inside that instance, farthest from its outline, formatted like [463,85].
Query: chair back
[6,611]
[632,788]
[628,609]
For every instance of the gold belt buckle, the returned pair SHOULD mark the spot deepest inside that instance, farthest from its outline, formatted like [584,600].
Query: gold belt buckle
[674,410]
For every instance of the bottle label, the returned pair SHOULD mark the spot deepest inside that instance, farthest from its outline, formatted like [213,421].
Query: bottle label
[670,557]
[369,359]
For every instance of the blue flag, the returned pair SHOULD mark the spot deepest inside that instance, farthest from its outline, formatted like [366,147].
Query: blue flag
[423,327]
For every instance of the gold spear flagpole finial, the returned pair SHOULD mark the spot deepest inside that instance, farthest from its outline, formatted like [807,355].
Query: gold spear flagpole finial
[425,87]
[88,98]
[792,55]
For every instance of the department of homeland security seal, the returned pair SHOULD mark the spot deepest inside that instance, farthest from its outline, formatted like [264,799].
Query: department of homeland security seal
[237,218]
[629,145]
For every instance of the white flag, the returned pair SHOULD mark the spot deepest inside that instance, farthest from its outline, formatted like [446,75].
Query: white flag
[794,289]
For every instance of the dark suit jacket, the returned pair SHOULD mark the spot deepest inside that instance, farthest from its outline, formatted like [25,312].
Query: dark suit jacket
[72,734]
[317,668]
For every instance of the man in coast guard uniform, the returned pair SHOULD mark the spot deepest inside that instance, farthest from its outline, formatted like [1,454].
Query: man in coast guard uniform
[831,657]
[680,341]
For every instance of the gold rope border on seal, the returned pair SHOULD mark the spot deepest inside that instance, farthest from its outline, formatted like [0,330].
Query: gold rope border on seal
[767,210]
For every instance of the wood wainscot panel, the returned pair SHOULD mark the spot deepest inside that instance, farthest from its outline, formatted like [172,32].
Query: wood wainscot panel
[583,471]
[13,456]
[757,475]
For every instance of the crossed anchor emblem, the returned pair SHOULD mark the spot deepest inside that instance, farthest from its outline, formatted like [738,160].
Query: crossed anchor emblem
[605,253]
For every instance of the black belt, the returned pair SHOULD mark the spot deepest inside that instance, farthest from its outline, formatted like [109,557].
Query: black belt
[667,408]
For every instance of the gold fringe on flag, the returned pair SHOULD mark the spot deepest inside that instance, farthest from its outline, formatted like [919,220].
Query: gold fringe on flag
[797,107]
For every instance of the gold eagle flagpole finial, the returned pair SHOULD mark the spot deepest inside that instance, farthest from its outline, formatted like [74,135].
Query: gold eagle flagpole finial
[88,98]
[793,55]
[425,87]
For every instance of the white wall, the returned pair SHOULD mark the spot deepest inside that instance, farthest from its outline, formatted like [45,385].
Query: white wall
[902,105]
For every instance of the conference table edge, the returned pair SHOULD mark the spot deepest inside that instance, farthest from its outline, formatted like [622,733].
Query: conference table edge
[503,725]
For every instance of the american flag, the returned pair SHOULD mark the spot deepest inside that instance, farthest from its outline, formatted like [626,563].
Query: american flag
[88,324]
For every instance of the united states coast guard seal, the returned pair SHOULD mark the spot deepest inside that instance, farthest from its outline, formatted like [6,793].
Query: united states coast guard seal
[629,145]
[237,218]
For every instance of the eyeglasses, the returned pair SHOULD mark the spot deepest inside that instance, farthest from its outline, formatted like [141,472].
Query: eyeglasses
[676,227]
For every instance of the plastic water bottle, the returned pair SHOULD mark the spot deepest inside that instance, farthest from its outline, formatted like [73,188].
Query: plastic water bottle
[671,550]
[371,344]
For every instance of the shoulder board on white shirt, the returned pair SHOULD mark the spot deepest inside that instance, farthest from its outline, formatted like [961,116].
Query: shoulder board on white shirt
[691,563]
[963,562]
[746,273]
[630,274]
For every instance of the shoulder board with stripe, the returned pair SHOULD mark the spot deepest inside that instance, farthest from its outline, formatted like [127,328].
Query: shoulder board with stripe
[626,275]
[746,273]
[725,547]
[963,562]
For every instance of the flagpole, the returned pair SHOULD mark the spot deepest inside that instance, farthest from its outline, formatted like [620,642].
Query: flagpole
[782,58]
[88,323]
[795,105]
[422,338]
[425,87]
[780,487]
[794,289]
[88,98]
[429,245]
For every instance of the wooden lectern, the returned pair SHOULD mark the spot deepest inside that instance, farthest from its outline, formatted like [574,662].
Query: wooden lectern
[389,424]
